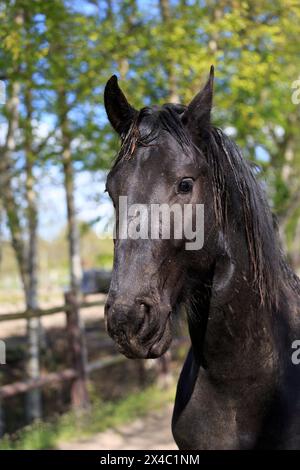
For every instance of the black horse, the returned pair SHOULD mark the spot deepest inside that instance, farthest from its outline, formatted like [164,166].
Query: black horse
[239,388]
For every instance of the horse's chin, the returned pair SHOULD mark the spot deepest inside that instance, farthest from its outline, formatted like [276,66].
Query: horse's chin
[135,350]
[160,347]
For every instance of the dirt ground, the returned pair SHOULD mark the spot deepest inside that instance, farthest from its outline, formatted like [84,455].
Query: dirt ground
[153,432]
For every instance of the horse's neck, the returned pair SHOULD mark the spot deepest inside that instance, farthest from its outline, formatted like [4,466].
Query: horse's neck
[239,337]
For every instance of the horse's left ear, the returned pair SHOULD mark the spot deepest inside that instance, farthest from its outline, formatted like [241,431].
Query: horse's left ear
[197,115]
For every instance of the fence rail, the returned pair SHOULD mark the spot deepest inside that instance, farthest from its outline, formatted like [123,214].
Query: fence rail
[7,391]
[41,312]
[79,369]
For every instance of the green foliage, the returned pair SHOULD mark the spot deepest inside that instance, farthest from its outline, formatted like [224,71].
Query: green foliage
[72,48]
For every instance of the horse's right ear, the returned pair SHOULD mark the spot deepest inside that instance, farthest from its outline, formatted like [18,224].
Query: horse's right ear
[197,115]
[119,112]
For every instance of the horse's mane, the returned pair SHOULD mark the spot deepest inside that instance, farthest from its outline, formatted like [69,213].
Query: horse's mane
[235,190]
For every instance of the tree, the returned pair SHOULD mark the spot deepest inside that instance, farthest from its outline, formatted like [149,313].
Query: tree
[21,58]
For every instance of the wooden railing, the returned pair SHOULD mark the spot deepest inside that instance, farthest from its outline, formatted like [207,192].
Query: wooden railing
[79,370]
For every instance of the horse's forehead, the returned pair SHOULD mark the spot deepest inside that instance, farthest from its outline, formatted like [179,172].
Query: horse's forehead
[166,146]
[165,155]
[148,162]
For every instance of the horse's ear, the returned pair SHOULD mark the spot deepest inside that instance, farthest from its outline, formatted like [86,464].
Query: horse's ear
[197,115]
[119,112]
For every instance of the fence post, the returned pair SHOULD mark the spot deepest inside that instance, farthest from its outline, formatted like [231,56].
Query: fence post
[79,392]
[2,424]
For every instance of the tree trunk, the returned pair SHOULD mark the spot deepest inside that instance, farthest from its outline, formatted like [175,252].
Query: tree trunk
[2,420]
[295,252]
[28,275]
[26,255]
[1,233]
[75,270]
[6,187]
[33,398]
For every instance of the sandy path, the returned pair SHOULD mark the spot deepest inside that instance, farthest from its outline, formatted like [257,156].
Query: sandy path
[152,432]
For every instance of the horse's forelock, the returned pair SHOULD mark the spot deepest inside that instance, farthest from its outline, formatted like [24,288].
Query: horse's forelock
[147,125]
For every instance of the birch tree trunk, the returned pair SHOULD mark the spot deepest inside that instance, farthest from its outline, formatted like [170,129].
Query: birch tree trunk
[33,398]
[24,241]
[26,256]
[6,187]
[12,211]
[1,232]
[75,270]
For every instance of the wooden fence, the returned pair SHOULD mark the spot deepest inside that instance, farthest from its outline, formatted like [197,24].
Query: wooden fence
[78,371]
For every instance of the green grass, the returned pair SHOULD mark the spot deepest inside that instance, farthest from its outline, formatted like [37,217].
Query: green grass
[100,416]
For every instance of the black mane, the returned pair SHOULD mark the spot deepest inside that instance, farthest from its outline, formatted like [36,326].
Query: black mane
[236,189]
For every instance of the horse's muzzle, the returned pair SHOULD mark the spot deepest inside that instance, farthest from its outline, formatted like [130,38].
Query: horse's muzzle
[140,329]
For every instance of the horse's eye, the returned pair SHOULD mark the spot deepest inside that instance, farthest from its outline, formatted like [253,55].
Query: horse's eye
[185,185]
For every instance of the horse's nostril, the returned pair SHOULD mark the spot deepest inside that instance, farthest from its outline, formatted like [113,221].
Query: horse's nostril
[144,308]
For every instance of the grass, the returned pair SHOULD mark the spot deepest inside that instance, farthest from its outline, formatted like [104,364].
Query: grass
[100,416]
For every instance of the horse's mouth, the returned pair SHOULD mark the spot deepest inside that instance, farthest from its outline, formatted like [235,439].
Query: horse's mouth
[135,348]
